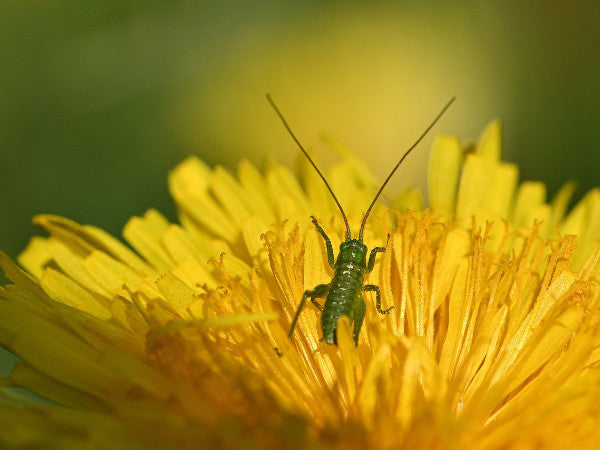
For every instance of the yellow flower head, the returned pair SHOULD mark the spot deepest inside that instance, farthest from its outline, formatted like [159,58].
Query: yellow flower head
[182,342]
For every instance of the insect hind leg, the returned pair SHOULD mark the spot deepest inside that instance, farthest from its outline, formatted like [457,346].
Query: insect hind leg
[375,288]
[319,291]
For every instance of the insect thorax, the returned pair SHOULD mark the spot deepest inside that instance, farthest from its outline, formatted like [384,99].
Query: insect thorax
[353,251]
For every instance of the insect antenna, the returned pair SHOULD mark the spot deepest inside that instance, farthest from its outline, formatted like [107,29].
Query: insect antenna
[289,130]
[440,114]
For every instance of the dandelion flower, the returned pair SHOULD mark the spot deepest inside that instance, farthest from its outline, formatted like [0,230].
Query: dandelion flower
[180,340]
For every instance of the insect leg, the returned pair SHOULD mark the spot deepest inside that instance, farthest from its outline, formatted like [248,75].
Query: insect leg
[359,315]
[372,258]
[375,288]
[327,243]
[374,252]
[318,292]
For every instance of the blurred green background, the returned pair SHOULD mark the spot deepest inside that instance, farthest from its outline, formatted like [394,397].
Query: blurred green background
[99,100]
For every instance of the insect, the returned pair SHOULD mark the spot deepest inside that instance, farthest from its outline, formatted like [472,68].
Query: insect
[343,295]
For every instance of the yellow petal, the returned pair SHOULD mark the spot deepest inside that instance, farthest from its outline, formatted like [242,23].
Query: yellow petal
[188,185]
[111,274]
[63,357]
[252,229]
[230,194]
[177,293]
[445,163]
[489,144]
[35,256]
[290,200]
[254,183]
[530,195]
[144,234]
[67,291]
[561,200]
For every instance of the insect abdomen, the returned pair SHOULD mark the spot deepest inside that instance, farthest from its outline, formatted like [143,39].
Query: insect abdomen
[345,291]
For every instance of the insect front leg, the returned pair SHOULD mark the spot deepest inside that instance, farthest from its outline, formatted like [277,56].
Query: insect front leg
[371,263]
[330,258]
[375,288]
[318,292]
[372,255]
[359,315]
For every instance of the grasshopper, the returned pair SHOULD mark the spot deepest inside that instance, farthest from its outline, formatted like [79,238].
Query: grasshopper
[344,294]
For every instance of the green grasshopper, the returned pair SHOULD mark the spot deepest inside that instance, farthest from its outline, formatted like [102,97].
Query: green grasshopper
[343,295]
